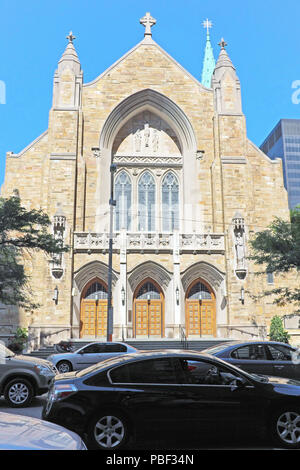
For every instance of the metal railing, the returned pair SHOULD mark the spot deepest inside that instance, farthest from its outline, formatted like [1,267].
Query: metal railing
[183,338]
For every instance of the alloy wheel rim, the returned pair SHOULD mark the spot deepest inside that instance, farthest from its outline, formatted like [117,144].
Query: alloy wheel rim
[64,367]
[18,393]
[288,427]
[109,431]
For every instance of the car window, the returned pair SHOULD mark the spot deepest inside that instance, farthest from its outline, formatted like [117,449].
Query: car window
[280,353]
[200,372]
[93,349]
[150,371]
[114,348]
[250,352]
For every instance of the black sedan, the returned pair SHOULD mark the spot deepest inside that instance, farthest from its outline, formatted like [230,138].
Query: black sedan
[260,357]
[165,393]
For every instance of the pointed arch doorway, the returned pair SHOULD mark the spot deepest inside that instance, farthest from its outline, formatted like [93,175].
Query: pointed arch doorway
[93,310]
[148,310]
[200,310]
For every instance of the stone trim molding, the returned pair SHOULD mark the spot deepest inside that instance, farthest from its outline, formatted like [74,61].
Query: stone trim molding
[233,160]
[62,156]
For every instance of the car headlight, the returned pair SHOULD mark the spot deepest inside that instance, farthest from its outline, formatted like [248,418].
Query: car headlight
[43,370]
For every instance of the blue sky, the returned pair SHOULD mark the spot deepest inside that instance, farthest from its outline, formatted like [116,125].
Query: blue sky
[262,37]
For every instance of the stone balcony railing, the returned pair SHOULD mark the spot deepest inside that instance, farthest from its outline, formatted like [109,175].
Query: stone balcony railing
[150,242]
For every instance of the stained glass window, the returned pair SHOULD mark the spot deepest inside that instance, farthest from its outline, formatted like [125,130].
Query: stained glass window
[96,291]
[146,203]
[170,203]
[123,201]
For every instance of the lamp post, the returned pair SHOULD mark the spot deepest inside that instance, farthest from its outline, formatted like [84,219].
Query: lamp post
[200,319]
[112,203]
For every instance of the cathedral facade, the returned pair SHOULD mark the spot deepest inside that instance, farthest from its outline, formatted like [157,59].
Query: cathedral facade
[148,153]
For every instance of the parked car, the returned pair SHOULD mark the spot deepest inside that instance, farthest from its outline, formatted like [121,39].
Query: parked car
[172,393]
[260,357]
[23,377]
[88,355]
[25,433]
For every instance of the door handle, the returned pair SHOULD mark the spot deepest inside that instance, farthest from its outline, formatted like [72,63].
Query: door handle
[279,367]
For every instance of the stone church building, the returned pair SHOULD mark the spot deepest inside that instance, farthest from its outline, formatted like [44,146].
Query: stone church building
[190,189]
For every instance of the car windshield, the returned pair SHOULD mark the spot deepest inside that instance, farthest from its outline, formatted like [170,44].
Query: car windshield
[104,364]
[5,352]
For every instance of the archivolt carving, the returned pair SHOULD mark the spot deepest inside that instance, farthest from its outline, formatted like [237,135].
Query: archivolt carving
[91,270]
[147,100]
[205,271]
[146,270]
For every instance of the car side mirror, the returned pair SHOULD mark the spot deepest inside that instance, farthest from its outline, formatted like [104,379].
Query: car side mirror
[237,383]
[81,352]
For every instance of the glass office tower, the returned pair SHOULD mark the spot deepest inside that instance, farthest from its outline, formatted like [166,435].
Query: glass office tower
[284,142]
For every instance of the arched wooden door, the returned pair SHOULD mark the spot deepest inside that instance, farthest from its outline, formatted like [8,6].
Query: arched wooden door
[93,310]
[200,308]
[148,310]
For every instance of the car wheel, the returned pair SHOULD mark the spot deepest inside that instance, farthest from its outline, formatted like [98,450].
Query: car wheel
[18,393]
[286,427]
[109,430]
[64,366]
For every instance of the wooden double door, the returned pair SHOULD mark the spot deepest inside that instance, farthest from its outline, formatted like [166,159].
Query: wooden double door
[148,311]
[200,310]
[93,310]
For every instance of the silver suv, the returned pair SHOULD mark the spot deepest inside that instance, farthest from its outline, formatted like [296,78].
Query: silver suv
[23,377]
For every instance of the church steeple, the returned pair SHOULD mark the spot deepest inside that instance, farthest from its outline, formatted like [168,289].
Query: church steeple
[209,60]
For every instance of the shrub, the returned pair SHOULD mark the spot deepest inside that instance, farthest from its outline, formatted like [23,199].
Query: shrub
[277,332]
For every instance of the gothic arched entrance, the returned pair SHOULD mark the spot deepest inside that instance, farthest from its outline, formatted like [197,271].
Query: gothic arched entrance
[93,310]
[148,310]
[200,310]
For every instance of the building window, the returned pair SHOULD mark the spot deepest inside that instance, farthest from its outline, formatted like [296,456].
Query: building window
[146,203]
[123,202]
[270,278]
[170,203]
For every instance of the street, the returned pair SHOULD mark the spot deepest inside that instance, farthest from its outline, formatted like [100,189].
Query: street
[35,410]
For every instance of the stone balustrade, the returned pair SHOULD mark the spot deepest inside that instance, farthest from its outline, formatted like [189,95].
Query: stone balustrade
[150,242]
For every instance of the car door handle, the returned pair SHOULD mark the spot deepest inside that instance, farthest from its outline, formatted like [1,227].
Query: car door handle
[279,367]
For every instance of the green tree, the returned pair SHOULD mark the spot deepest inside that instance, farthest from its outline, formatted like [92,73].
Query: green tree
[278,249]
[21,231]
[277,332]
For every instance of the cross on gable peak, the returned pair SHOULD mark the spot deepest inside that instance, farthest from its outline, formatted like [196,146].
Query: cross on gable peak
[148,21]
[222,43]
[70,37]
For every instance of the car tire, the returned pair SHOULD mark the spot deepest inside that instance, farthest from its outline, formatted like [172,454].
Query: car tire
[110,430]
[18,393]
[64,366]
[285,427]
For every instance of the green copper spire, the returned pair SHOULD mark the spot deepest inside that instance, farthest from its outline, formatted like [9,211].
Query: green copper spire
[209,60]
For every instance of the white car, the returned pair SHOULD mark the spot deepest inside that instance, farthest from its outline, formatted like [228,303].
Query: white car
[88,355]
[19,432]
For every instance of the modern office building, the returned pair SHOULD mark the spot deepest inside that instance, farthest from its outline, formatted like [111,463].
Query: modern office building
[284,142]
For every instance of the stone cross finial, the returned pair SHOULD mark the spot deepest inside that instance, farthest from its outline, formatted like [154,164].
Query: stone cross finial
[207,24]
[222,44]
[148,22]
[71,37]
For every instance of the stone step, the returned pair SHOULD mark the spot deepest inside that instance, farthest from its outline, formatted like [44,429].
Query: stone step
[196,345]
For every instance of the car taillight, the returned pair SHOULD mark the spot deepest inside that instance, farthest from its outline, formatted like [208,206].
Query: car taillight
[61,391]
